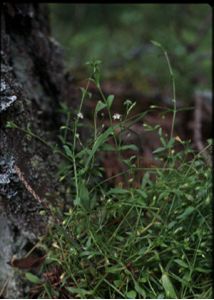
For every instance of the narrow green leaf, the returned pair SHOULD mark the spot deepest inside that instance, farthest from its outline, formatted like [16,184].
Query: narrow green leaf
[118,283]
[68,151]
[163,141]
[117,191]
[130,108]
[181,263]
[156,44]
[97,78]
[131,294]
[168,287]
[100,105]
[186,213]
[142,193]
[160,149]
[79,291]
[170,143]
[10,124]
[206,271]
[146,180]
[110,100]
[128,147]
[139,290]
[32,278]
[114,269]
[160,131]
[99,141]
[84,195]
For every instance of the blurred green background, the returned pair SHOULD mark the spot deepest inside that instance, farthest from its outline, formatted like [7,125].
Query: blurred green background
[119,35]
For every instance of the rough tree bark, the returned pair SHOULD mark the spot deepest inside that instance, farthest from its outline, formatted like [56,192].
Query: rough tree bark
[32,84]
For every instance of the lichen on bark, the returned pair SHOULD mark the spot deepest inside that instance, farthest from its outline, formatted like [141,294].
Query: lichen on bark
[32,85]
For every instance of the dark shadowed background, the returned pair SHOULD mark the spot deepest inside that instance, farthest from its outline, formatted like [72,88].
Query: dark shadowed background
[119,35]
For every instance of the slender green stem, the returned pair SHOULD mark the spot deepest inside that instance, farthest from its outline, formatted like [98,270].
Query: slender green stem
[173,84]
[173,90]
[109,113]
[84,93]
[67,124]
[30,133]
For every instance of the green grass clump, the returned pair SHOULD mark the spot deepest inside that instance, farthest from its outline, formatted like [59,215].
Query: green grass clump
[153,241]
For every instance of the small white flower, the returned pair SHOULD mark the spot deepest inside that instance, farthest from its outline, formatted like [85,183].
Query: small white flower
[77,135]
[116,116]
[80,115]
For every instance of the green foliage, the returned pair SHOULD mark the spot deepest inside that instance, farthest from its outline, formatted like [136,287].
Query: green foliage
[153,241]
[115,248]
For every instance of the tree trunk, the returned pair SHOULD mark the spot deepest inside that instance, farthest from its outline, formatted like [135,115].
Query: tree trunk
[32,85]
